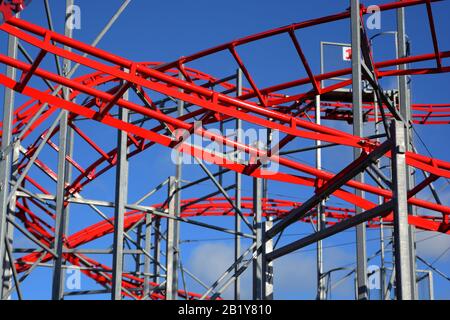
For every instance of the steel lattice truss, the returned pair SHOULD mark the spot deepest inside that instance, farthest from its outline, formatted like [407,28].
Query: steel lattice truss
[30,206]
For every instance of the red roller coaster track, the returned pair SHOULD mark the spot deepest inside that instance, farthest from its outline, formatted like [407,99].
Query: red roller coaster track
[255,106]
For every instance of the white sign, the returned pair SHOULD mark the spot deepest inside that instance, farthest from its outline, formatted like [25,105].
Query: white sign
[346,53]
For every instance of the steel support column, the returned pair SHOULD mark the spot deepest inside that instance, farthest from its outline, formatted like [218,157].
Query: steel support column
[431,284]
[258,281]
[238,194]
[177,207]
[148,248]
[60,220]
[171,267]
[361,256]
[404,286]
[5,166]
[405,111]
[63,174]
[9,270]
[380,201]
[267,266]
[120,203]
[321,280]
[321,277]
[156,248]
[137,257]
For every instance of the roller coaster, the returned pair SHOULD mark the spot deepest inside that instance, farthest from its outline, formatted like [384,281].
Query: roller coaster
[155,104]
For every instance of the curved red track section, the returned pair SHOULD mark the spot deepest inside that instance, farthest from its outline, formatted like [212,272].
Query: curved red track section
[254,106]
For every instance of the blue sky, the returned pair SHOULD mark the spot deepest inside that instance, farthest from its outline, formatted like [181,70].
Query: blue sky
[166,30]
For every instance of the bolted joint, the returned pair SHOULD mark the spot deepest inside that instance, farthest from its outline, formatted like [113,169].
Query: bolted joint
[400,149]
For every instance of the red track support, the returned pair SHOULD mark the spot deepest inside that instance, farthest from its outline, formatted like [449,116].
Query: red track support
[263,107]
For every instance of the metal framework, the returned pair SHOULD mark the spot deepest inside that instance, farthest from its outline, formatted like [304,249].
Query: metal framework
[156,104]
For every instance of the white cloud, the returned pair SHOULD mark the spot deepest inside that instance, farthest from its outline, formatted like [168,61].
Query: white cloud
[430,245]
[295,277]
[209,261]
[294,274]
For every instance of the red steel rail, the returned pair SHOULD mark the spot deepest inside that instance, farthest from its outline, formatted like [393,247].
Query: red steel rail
[254,106]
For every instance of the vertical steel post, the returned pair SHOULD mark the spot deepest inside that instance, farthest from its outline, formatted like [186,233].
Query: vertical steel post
[137,256]
[401,45]
[148,248]
[405,111]
[321,284]
[361,267]
[156,249]
[121,197]
[60,222]
[177,207]
[401,225]
[63,174]
[258,229]
[383,264]
[321,223]
[68,168]
[8,271]
[238,195]
[170,243]
[5,164]
[267,273]
[431,284]
[377,105]
[267,265]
